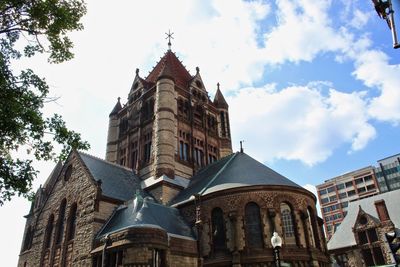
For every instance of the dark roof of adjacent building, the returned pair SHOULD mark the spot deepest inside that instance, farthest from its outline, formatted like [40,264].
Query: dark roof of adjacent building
[145,212]
[344,236]
[233,171]
[170,66]
[117,182]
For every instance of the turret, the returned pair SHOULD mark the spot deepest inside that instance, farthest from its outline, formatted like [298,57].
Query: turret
[224,129]
[165,125]
[113,131]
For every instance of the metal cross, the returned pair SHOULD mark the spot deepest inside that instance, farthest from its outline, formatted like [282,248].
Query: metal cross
[169,37]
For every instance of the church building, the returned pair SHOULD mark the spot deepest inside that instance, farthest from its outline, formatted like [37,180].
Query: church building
[170,192]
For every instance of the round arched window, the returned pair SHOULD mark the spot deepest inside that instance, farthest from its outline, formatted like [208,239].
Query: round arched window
[68,173]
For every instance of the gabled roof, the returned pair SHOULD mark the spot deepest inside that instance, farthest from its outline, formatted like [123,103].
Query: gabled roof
[48,185]
[145,212]
[219,100]
[170,66]
[235,170]
[117,181]
[344,236]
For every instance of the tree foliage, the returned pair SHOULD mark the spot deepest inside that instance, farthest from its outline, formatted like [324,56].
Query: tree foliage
[28,27]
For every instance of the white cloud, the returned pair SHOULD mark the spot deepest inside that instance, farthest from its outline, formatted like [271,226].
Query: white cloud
[299,122]
[374,69]
[313,190]
[359,18]
[302,32]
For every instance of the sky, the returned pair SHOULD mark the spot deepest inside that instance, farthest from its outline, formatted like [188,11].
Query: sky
[313,87]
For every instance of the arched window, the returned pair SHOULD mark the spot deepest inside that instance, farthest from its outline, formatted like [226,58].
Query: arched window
[49,232]
[313,227]
[287,223]
[254,234]
[60,222]
[218,229]
[72,222]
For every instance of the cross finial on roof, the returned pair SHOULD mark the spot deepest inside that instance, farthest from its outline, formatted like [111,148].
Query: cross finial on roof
[241,146]
[218,85]
[169,37]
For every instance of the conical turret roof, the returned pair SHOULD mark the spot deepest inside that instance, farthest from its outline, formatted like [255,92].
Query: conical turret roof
[234,171]
[170,66]
[219,100]
[116,108]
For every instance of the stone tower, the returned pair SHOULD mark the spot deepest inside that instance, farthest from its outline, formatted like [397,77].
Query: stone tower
[169,128]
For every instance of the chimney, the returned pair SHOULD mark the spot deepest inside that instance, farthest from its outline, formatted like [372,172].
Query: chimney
[382,211]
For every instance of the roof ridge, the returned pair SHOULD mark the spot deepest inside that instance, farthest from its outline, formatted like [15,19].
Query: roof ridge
[218,173]
[105,161]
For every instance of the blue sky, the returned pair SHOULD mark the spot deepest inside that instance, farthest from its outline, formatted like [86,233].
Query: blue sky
[313,86]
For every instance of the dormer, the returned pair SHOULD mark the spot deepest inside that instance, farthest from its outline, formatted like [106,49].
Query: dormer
[197,88]
[137,89]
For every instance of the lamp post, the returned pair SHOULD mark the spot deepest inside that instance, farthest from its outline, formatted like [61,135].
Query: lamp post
[276,242]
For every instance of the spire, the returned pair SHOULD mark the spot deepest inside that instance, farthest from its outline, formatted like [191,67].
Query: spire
[117,107]
[219,100]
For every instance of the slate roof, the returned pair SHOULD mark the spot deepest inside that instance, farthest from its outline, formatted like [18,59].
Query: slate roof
[117,181]
[170,66]
[146,212]
[219,100]
[344,237]
[235,170]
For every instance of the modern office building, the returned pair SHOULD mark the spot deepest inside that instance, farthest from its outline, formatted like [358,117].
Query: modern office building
[335,194]
[388,173]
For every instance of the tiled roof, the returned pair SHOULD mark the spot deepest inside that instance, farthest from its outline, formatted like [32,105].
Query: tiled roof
[117,181]
[344,236]
[145,212]
[170,66]
[235,170]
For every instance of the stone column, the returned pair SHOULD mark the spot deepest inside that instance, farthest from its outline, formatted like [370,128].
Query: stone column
[164,128]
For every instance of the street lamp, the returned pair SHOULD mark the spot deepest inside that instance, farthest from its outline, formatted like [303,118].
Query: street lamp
[276,242]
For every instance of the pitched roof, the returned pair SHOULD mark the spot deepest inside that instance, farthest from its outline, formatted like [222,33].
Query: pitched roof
[52,177]
[145,212]
[170,66]
[117,181]
[344,236]
[235,170]
[219,100]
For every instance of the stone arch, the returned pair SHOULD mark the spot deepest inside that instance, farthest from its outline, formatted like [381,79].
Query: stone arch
[312,219]
[60,222]
[49,232]
[253,226]
[218,229]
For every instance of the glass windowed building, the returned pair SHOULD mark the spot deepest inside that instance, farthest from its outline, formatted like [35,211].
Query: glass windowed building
[388,173]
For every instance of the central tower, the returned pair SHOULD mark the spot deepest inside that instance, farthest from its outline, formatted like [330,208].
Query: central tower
[169,128]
